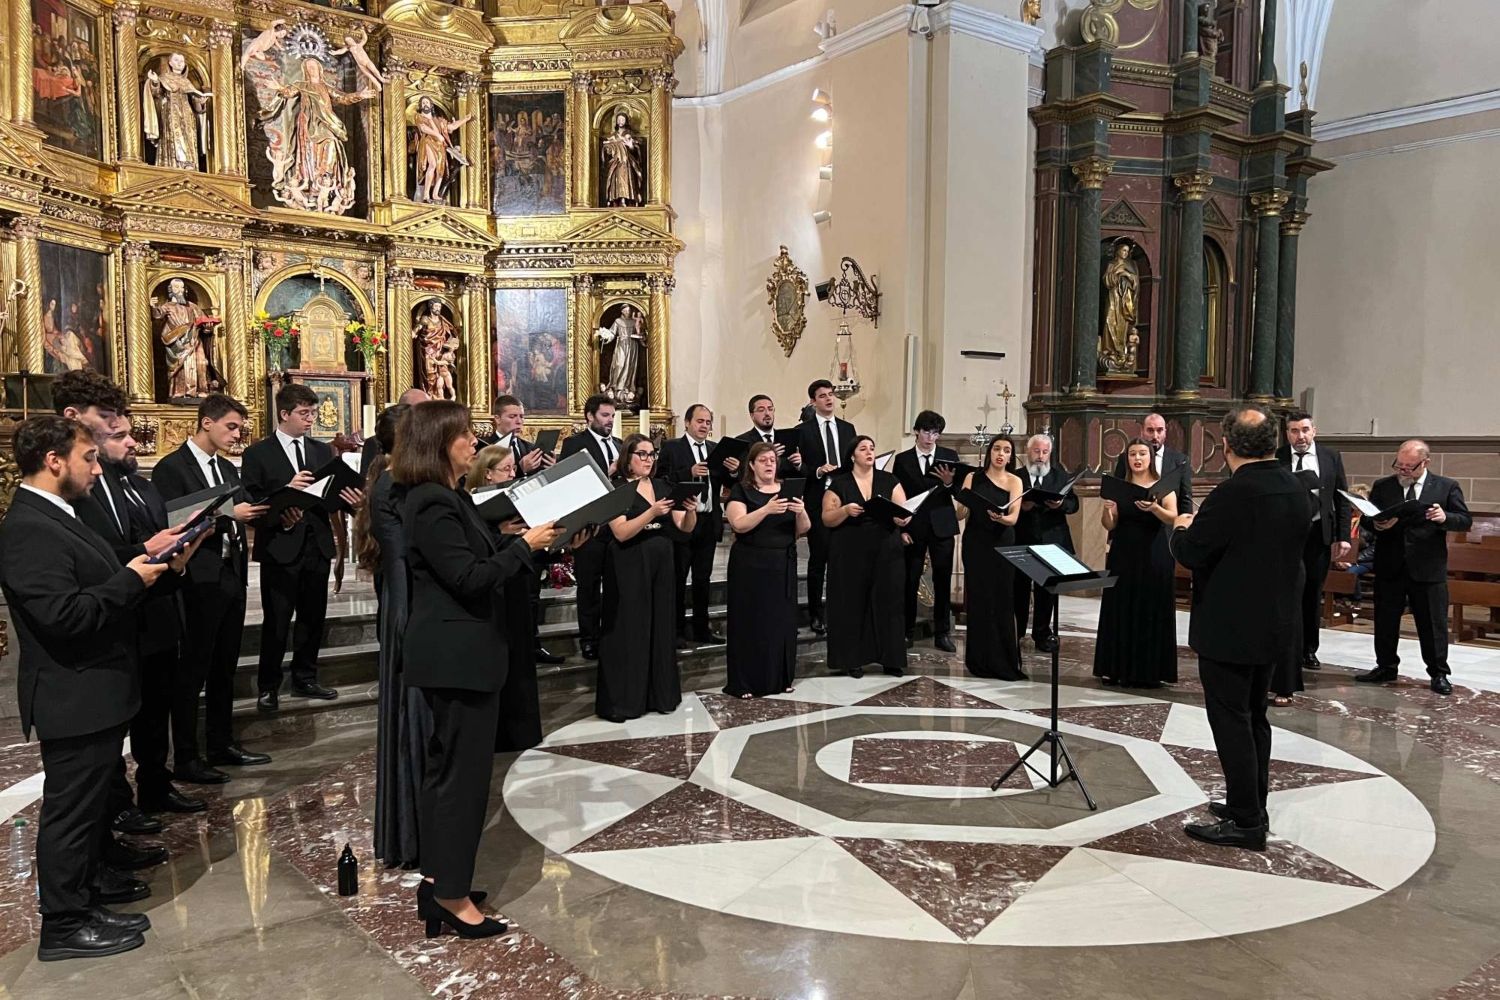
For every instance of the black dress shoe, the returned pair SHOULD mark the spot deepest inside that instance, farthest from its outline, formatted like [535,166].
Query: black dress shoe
[172,801]
[817,625]
[1047,645]
[88,939]
[235,755]
[1310,661]
[116,887]
[138,922]
[135,822]
[711,637]
[589,650]
[945,643]
[1221,810]
[126,858]
[544,655]
[1380,675]
[315,691]
[268,701]
[1441,685]
[1227,833]
[910,641]
[195,772]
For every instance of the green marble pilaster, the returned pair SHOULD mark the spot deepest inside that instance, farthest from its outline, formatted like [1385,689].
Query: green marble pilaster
[1187,348]
[1268,45]
[1091,173]
[1268,205]
[1286,312]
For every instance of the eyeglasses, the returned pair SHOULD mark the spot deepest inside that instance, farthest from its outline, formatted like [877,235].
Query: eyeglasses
[305,412]
[643,454]
[1408,469]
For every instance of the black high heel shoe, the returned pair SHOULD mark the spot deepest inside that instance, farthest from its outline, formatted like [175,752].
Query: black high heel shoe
[435,915]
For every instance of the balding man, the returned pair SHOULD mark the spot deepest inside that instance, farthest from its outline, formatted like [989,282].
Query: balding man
[410,397]
[1163,459]
[1411,564]
[1041,524]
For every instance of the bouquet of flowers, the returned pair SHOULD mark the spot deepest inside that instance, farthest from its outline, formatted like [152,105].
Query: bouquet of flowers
[367,340]
[278,335]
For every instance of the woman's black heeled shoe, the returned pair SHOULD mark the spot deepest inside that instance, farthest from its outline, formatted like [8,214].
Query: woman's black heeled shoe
[476,897]
[435,916]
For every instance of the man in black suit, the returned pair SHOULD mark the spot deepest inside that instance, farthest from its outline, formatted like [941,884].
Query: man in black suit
[214,597]
[1244,547]
[73,605]
[1164,459]
[685,459]
[1041,524]
[932,529]
[763,428]
[411,397]
[1328,536]
[588,559]
[295,550]
[1411,564]
[824,448]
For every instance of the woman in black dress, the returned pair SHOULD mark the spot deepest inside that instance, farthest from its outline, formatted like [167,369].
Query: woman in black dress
[990,647]
[638,644]
[866,608]
[1136,645]
[762,651]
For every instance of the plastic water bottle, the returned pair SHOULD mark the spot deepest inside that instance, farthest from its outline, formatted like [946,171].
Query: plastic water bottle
[20,857]
[348,872]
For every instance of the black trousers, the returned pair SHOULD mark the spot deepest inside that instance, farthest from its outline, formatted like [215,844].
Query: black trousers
[1316,558]
[941,550]
[1429,608]
[1234,695]
[1033,600]
[695,554]
[588,575]
[455,789]
[216,619]
[817,555]
[78,791]
[301,588]
[161,673]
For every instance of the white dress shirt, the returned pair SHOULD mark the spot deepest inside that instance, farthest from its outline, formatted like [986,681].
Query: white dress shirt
[700,451]
[926,460]
[606,448]
[207,465]
[53,499]
[290,450]
[1308,462]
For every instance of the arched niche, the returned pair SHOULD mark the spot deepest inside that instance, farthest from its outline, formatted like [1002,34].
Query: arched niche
[1218,294]
[1137,365]
[187,359]
[635,113]
[438,346]
[612,316]
[290,290]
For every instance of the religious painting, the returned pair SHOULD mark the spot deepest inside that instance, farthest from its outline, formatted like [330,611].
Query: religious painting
[66,77]
[292,294]
[622,354]
[76,313]
[531,347]
[305,134]
[184,344]
[337,408]
[528,161]
[435,344]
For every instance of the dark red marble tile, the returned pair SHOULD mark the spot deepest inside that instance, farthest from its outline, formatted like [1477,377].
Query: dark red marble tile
[1144,720]
[1203,767]
[673,756]
[944,763]
[1481,984]
[729,713]
[925,692]
[691,814]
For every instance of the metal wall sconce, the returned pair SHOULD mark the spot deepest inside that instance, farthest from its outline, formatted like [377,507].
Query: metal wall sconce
[852,290]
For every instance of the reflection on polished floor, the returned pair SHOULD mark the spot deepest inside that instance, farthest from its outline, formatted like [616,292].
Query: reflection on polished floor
[841,842]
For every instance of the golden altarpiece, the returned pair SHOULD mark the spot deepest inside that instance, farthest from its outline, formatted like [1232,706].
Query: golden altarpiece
[487,188]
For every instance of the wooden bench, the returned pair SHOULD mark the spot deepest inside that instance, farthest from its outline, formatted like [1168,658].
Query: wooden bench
[1474,581]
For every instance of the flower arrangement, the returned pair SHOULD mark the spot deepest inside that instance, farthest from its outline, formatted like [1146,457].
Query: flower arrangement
[367,340]
[278,335]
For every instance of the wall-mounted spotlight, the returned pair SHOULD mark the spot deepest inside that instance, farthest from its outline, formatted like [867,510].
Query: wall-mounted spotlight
[824,139]
[825,172]
[822,215]
[822,113]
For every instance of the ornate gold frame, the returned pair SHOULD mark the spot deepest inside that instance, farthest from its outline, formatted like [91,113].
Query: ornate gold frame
[783,274]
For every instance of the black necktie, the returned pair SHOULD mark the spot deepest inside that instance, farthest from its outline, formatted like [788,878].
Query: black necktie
[830,446]
[608,447]
[1411,492]
[926,464]
[131,494]
[213,466]
[698,450]
[1300,456]
[301,462]
[769,439]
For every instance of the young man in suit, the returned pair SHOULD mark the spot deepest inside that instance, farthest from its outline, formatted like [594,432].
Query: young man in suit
[1244,547]
[1328,536]
[588,559]
[1411,564]
[1041,524]
[295,550]
[214,597]
[74,607]
[826,439]
[411,397]
[932,529]
[685,459]
[1164,458]
[763,428]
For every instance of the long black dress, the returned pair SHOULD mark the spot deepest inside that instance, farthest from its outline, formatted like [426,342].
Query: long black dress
[866,608]
[990,647]
[520,706]
[638,641]
[1137,640]
[762,650]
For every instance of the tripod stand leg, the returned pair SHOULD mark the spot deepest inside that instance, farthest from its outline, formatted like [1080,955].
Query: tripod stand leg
[1061,750]
[995,785]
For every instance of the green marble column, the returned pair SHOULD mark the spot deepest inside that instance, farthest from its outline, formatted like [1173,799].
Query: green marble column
[1091,173]
[1268,45]
[1187,349]
[1286,312]
[1190,28]
[1268,205]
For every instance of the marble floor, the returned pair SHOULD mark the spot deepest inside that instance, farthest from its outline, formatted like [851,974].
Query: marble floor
[841,841]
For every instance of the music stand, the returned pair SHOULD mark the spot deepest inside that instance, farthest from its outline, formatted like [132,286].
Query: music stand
[1058,573]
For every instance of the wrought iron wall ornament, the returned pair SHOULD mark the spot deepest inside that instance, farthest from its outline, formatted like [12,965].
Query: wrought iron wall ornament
[852,290]
[786,294]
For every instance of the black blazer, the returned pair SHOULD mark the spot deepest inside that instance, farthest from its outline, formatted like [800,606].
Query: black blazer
[937,518]
[455,635]
[1041,525]
[160,616]
[814,454]
[585,441]
[676,465]
[1334,515]
[266,468]
[73,604]
[367,454]
[1171,459]
[178,475]
[1416,547]
[785,469]
[1245,550]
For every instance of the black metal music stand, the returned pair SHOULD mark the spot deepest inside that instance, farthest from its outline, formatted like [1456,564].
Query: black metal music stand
[1056,581]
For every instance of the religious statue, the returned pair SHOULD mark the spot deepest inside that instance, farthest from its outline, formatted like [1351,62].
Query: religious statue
[434,148]
[622,165]
[1210,35]
[628,335]
[1031,11]
[174,115]
[433,333]
[307,142]
[354,44]
[260,49]
[189,374]
[1118,340]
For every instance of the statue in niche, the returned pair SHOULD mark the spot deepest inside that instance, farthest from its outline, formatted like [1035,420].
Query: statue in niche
[174,115]
[627,334]
[354,44]
[190,374]
[1118,340]
[437,339]
[622,164]
[434,148]
[260,49]
[310,166]
[1210,35]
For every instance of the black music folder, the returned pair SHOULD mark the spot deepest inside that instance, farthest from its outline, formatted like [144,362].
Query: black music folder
[982,494]
[1406,508]
[792,489]
[1124,491]
[546,440]
[195,507]
[729,447]
[689,489]
[494,504]
[1038,495]
[790,438]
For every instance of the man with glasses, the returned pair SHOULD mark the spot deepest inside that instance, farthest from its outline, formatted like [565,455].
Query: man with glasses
[1411,564]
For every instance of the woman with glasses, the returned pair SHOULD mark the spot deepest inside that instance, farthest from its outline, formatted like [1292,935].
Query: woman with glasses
[638,644]
[990,646]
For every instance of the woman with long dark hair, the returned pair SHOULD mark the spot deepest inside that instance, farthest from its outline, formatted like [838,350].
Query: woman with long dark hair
[990,646]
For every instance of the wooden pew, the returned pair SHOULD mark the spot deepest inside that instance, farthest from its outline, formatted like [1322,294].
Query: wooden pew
[1473,581]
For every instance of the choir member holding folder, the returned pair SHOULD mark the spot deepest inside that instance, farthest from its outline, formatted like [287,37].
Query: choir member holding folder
[1137,641]
[637,647]
[767,519]
[865,566]
[989,500]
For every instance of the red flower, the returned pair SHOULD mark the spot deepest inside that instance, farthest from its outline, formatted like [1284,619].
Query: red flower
[379,337]
[278,333]
[268,324]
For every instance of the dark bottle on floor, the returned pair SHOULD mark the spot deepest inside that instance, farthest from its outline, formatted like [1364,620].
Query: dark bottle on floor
[348,872]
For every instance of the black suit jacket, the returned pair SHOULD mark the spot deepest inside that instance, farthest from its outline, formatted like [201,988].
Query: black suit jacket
[1041,525]
[1245,550]
[367,454]
[1415,546]
[815,453]
[160,615]
[676,465]
[73,604]
[937,518]
[1334,517]
[1171,459]
[585,441]
[785,469]
[266,468]
[178,475]
[455,635]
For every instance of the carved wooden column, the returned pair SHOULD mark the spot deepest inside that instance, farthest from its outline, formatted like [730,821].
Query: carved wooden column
[394,142]
[1091,173]
[477,341]
[21,55]
[223,79]
[657,335]
[1268,206]
[662,83]
[584,378]
[400,288]
[127,82]
[138,371]
[583,141]
[471,141]
[1187,349]
[28,228]
[232,358]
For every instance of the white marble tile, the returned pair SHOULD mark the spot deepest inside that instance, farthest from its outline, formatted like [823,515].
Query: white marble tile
[1374,828]
[1037,694]
[708,875]
[562,801]
[840,690]
[18,796]
[689,717]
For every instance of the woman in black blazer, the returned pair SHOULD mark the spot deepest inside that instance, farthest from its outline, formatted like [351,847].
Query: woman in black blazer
[454,652]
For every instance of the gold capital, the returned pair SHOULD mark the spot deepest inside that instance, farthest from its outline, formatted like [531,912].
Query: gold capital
[1092,171]
[1293,223]
[1269,203]
[1194,186]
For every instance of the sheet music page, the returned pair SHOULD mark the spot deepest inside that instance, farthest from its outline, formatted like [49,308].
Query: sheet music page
[1060,559]
[1362,505]
[539,502]
[319,488]
[916,501]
